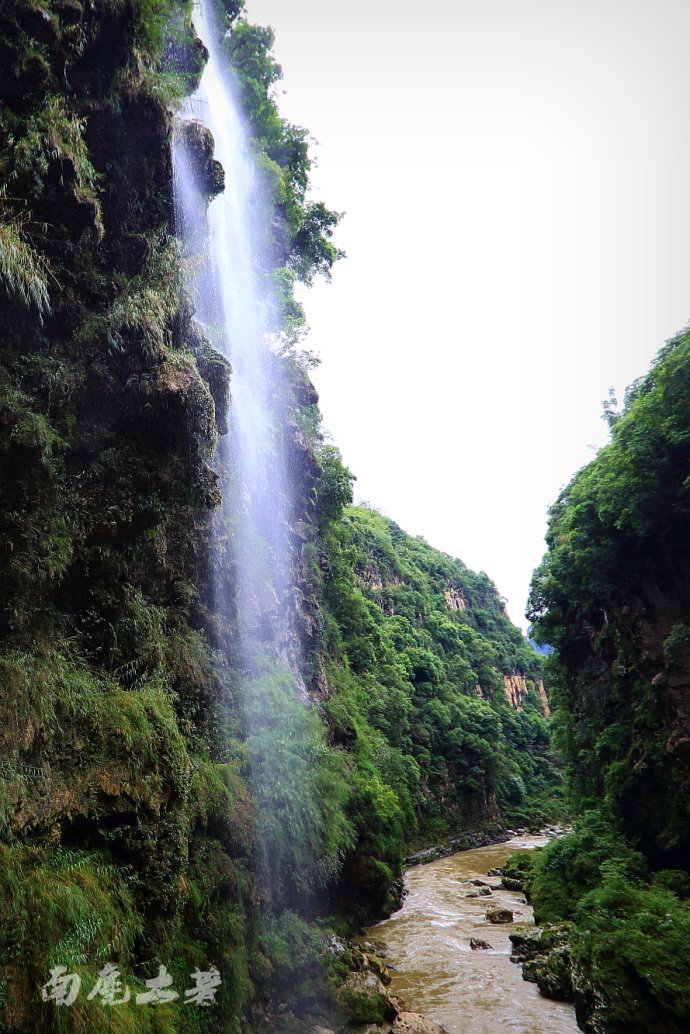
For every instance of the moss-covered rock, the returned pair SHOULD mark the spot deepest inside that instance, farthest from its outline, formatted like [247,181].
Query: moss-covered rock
[365,999]
[545,959]
[499,915]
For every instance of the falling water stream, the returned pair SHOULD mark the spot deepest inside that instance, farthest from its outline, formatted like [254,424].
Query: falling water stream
[435,970]
[229,260]
[232,293]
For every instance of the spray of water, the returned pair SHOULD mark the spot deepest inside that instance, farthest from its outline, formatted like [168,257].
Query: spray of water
[293,773]
[234,301]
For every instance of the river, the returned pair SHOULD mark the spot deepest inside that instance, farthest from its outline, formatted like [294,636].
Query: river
[435,970]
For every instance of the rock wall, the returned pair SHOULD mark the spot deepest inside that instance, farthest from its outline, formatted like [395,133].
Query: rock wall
[123,832]
[543,697]
[517,689]
[454,597]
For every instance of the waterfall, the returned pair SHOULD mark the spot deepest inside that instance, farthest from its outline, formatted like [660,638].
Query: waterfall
[235,305]
[294,776]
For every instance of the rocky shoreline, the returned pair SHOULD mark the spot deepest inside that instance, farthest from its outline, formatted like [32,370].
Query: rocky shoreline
[404,1023]
[469,840]
[466,840]
[364,1003]
[546,957]
[544,954]
[366,989]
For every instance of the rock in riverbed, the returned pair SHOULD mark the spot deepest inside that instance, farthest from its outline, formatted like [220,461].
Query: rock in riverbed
[365,998]
[499,915]
[413,1023]
[405,1023]
[545,958]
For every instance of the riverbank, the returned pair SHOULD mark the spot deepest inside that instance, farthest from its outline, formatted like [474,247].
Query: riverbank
[466,840]
[473,839]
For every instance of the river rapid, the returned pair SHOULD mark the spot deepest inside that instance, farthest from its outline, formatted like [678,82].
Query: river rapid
[435,970]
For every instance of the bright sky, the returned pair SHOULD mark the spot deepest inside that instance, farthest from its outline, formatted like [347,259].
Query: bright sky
[516,181]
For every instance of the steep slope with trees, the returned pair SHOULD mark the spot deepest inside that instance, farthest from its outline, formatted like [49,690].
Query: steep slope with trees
[418,653]
[612,598]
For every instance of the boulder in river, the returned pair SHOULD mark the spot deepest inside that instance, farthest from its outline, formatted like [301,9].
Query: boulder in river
[374,963]
[499,915]
[477,942]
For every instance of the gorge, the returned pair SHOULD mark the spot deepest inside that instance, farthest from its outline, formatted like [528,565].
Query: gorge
[232,701]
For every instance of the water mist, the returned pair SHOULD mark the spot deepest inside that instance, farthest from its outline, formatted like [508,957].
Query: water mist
[234,302]
[229,249]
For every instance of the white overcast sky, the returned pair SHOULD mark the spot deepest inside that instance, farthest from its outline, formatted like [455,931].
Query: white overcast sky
[516,181]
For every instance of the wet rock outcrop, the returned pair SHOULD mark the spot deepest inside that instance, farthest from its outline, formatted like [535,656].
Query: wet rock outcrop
[544,955]
[120,824]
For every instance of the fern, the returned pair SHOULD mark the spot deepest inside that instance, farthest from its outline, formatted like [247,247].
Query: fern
[23,271]
[77,947]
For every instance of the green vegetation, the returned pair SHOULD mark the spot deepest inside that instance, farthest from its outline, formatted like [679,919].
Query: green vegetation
[159,803]
[300,229]
[125,839]
[627,927]
[299,784]
[611,598]
[22,269]
[417,647]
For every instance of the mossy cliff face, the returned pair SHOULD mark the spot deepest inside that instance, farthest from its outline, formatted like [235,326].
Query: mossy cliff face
[611,597]
[124,841]
[415,694]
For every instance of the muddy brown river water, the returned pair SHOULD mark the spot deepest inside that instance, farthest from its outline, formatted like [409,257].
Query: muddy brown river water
[436,971]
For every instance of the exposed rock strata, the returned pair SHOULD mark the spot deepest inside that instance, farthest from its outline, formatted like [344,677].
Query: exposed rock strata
[455,598]
[516,688]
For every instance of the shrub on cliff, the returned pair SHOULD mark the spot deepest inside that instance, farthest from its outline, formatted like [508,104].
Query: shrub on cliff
[630,957]
[572,866]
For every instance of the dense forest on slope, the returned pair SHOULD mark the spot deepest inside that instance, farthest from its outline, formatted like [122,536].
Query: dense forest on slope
[151,812]
[419,653]
[612,598]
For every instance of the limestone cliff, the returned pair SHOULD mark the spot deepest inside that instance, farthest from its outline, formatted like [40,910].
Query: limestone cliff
[516,688]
